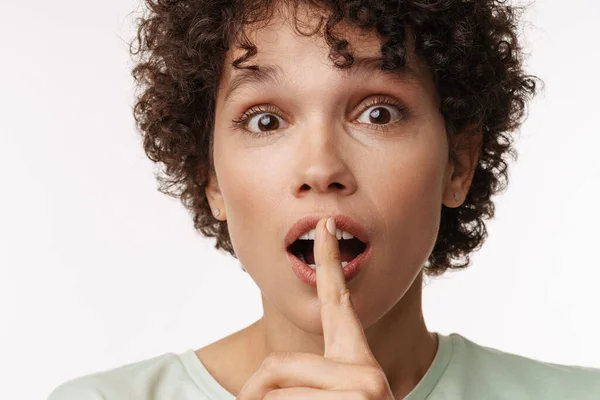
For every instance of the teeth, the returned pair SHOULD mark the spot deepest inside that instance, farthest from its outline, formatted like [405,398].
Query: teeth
[314,266]
[340,234]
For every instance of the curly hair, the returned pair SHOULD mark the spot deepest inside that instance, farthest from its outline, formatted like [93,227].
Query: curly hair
[470,47]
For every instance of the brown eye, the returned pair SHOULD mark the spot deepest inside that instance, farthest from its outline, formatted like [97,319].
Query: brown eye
[263,123]
[380,115]
[377,115]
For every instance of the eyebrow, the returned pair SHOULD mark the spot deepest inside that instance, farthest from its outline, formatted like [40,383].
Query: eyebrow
[362,68]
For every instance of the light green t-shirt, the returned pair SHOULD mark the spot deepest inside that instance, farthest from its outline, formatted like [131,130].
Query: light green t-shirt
[461,370]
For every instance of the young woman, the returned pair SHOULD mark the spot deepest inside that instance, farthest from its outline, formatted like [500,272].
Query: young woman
[340,150]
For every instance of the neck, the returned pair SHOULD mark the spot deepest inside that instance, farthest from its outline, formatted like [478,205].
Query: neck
[400,341]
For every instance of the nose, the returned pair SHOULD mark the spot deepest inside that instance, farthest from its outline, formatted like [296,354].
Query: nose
[321,164]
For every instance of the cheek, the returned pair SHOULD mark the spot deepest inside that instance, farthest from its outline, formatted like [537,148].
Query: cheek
[411,200]
[423,211]
[251,188]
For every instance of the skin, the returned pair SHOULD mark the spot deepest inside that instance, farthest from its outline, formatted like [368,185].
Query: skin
[325,157]
[347,370]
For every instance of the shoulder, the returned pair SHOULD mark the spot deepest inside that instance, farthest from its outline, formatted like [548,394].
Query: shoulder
[81,388]
[138,380]
[496,371]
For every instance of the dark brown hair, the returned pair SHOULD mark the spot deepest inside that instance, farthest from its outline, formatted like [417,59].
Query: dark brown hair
[470,47]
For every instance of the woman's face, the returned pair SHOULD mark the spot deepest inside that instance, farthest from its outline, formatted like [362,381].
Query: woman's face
[318,146]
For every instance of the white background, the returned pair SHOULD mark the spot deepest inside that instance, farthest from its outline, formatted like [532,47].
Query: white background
[99,269]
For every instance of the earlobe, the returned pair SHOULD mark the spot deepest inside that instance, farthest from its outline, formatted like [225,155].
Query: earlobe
[214,196]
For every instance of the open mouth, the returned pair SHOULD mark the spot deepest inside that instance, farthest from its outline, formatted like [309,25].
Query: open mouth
[349,250]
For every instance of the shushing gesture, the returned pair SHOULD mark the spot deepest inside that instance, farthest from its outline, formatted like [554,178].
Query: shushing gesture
[348,370]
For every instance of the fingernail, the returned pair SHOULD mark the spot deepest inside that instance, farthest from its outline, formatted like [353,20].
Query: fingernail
[330,224]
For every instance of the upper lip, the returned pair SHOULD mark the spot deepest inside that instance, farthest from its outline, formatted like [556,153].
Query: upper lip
[342,222]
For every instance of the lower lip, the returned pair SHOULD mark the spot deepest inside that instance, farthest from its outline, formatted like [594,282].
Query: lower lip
[309,276]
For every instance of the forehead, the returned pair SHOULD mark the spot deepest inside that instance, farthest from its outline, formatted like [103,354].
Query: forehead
[284,55]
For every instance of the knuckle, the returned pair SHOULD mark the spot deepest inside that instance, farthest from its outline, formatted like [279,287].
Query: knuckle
[273,395]
[341,298]
[360,395]
[376,383]
[345,297]
[332,254]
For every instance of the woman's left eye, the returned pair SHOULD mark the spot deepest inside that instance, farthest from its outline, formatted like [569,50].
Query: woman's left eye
[380,115]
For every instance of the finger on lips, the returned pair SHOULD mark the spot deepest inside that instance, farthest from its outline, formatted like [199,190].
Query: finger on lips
[331,285]
[347,370]
[343,333]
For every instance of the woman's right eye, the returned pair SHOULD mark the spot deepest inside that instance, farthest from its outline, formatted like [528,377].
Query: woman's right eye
[260,121]
[265,123]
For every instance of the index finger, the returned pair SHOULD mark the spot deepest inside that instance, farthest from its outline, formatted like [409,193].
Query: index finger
[343,333]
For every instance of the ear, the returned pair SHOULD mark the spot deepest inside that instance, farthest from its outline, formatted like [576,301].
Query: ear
[461,167]
[214,196]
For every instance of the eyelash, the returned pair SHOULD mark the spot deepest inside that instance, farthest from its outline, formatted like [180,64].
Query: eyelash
[379,100]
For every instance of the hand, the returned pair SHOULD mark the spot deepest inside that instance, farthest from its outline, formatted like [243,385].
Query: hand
[348,370]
